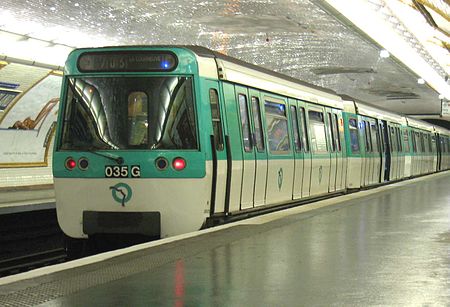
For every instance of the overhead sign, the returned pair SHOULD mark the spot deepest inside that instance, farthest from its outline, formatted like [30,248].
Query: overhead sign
[116,61]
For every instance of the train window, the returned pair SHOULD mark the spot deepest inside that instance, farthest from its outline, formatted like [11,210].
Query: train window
[277,127]
[354,138]
[318,138]
[399,139]
[374,135]
[258,124]
[422,142]
[413,139]
[294,123]
[331,133]
[245,123]
[433,143]
[406,140]
[336,132]
[303,130]
[381,136]
[215,115]
[366,130]
[430,146]
[418,142]
[393,140]
[108,113]
[137,118]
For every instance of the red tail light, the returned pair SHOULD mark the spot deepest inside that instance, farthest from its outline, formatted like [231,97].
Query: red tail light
[70,163]
[179,164]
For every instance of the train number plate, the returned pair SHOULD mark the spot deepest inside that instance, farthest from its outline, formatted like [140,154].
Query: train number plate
[122,171]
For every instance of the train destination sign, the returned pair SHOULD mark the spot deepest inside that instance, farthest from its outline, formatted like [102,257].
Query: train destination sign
[127,61]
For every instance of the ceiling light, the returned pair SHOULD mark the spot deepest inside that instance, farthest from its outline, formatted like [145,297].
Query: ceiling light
[384,53]
[441,96]
[421,81]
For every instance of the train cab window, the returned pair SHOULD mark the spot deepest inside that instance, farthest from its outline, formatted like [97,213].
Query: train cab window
[294,122]
[137,118]
[354,138]
[331,132]
[258,124]
[303,129]
[277,127]
[245,123]
[336,132]
[318,137]
[216,122]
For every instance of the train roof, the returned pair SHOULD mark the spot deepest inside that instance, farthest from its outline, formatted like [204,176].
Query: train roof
[420,124]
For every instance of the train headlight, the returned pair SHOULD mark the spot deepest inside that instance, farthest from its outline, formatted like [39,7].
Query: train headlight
[161,163]
[179,164]
[70,163]
[83,164]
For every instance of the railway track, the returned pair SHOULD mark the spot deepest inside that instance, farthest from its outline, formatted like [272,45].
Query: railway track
[29,240]
[32,261]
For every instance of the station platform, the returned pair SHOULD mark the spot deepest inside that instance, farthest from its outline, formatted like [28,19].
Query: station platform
[26,198]
[385,246]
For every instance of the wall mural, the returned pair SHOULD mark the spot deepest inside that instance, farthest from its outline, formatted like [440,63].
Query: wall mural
[28,125]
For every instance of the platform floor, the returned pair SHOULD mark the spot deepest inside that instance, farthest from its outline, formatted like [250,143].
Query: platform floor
[389,246]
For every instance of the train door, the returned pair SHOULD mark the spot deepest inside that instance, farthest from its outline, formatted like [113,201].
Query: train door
[259,195]
[393,147]
[298,150]
[280,165]
[338,132]
[332,148]
[439,152]
[307,157]
[376,161]
[387,150]
[248,150]
[320,164]
[364,149]
[382,152]
[219,154]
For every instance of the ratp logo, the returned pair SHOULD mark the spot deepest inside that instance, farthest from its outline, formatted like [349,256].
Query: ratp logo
[121,193]
[280,178]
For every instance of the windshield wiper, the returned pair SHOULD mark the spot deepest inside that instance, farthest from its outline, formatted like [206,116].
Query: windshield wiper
[118,160]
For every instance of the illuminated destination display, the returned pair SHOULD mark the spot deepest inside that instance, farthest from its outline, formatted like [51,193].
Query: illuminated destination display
[127,61]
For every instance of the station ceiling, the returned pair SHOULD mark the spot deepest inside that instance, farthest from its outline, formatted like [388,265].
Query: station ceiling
[300,38]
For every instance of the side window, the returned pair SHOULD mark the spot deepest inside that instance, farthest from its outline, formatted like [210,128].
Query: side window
[277,127]
[406,140]
[331,133]
[337,136]
[245,124]
[433,143]
[294,122]
[137,119]
[304,129]
[422,143]
[393,139]
[354,138]
[258,124]
[318,138]
[413,139]
[381,135]
[375,138]
[399,138]
[215,115]
[430,146]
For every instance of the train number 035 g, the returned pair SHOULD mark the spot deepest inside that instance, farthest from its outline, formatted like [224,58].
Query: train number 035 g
[122,171]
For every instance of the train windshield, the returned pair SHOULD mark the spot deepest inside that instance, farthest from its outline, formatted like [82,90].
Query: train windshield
[104,113]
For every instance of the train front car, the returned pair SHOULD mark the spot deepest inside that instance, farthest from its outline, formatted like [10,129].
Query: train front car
[128,156]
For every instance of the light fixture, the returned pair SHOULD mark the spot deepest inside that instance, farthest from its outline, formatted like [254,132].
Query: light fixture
[441,96]
[421,81]
[384,53]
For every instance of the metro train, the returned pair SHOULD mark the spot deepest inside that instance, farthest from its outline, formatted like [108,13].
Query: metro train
[163,140]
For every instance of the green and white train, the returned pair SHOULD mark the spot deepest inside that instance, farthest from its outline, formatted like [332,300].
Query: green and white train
[164,140]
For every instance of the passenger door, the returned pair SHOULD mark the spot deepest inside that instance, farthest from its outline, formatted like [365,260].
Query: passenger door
[248,150]
[259,196]
[219,154]
[332,148]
